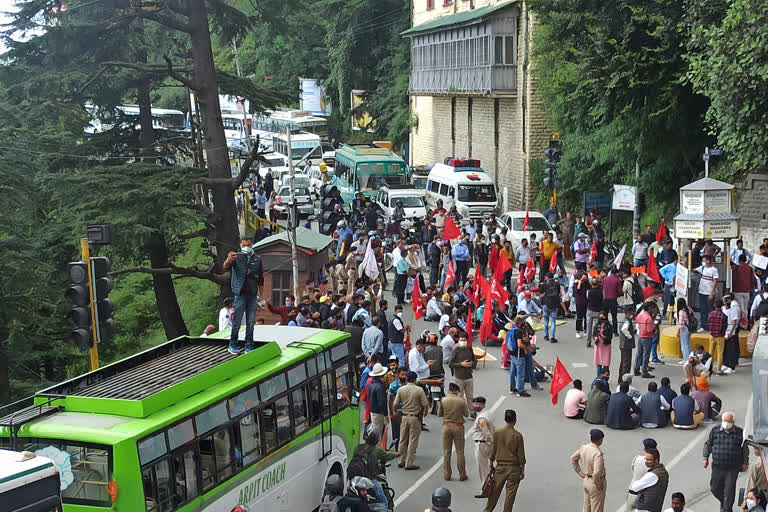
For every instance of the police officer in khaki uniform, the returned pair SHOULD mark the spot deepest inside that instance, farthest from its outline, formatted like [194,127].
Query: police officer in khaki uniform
[588,463]
[453,409]
[482,435]
[509,453]
[414,405]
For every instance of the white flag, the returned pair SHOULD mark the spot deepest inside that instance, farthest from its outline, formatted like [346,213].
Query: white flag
[370,267]
[620,256]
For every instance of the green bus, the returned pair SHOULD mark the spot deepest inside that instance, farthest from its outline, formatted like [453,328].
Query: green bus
[365,168]
[186,426]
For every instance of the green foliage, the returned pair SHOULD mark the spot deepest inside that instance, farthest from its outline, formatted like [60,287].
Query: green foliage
[613,77]
[729,64]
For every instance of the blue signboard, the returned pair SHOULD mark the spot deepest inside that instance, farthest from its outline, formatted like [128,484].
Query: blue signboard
[599,201]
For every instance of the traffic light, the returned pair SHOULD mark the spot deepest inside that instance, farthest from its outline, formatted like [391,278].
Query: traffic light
[79,295]
[552,155]
[329,201]
[102,285]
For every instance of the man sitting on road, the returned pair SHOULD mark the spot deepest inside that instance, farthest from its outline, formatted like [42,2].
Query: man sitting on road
[623,413]
[597,404]
[685,410]
[653,408]
[707,401]
[575,402]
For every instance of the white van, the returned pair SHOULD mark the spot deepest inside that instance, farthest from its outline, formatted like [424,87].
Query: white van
[464,184]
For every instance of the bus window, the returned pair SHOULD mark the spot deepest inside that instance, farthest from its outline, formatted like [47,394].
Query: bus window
[156,480]
[215,458]
[297,375]
[272,387]
[326,395]
[270,428]
[246,400]
[443,189]
[185,476]
[300,414]
[343,379]
[151,448]
[341,350]
[211,418]
[247,440]
[180,434]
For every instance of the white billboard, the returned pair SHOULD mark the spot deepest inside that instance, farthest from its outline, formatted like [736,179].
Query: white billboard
[312,97]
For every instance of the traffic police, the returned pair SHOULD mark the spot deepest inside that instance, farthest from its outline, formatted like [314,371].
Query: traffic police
[482,435]
[589,464]
[508,451]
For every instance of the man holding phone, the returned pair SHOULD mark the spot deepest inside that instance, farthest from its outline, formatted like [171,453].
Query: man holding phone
[247,277]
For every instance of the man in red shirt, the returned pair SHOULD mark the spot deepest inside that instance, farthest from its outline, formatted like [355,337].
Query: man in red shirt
[744,282]
[717,322]
[645,329]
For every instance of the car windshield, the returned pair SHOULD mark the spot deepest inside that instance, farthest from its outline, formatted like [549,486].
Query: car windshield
[476,193]
[534,224]
[408,201]
[328,147]
[419,182]
[286,191]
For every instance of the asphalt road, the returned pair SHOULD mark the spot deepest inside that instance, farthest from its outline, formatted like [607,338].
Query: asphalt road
[550,483]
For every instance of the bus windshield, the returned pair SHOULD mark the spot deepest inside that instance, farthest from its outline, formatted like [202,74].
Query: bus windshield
[476,193]
[173,121]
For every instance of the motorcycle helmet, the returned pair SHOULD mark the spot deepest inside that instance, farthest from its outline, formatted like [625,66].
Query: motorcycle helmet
[441,497]
[334,485]
[360,483]
[371,434]
[341,224]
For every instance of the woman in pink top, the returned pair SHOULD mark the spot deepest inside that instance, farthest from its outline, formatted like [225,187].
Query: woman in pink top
[683,321]
[603,334]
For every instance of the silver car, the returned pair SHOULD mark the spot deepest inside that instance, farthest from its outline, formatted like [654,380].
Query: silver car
[303,202]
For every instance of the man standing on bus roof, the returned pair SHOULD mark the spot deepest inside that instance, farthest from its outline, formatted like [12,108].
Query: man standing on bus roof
[247,277]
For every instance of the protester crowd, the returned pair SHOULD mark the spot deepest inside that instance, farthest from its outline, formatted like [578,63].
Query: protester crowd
[476,287]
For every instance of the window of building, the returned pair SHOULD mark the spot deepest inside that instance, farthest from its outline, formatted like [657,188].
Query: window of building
[430,4]
[447,2]
[504,50]
[281,286]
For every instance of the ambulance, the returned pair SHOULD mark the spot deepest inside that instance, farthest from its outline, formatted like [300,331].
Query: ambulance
[461,182]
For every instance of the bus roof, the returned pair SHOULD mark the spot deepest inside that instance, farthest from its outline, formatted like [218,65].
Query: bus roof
[297,136]
[116,419]
[20,468]
[367,153]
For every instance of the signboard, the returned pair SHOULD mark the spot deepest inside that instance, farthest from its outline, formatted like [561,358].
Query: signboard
[716,229]
[692,202]
[717,201]
[361,119]
[624,197]
[681,280]
[759,261]
[599,201]
[312,97]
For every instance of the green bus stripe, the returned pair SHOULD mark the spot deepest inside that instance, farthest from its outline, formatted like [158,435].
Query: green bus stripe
[26,472]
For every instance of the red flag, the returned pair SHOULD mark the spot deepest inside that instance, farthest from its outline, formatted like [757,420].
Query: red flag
[553,262]
[417,305]
[451,230]
[450,275]
[592,252]
[469,326]
[407,345]
[498,292]
[525,222]
[661,234]
[520,282]
[487,316]
[501,267]
[652,270]
[560,379]
[530,270]
[482,287]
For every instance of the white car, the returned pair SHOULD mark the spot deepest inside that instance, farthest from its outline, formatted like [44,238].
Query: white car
[303,201]
[513,221]
[413,201]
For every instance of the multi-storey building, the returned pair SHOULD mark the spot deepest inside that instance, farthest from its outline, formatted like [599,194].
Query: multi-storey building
[472,92]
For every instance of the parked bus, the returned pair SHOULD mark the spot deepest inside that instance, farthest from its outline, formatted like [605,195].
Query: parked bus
[187,426]
[366,168]
[270,123]
[162,118]
[28,482]
[301,144]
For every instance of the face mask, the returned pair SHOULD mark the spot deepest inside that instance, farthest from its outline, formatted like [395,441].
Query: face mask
[462,343]
[727,425]
[288,303]
[751,504]
[400,315]
[247,250]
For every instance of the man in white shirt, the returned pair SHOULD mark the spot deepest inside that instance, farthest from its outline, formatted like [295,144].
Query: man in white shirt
[448,344]
[759,298]
[434,311]
[528,306]
[416,361]
[652,487]
[373,339]
[732,312]
[678,503]
[707,286]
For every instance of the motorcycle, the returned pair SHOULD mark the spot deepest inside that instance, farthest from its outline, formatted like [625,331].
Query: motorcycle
[611,251]
[381,477]
[388,244]
[436,392]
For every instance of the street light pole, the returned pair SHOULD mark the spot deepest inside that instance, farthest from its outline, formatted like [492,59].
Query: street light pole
[292,216]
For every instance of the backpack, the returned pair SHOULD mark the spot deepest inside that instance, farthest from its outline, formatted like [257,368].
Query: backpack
[360,465]
[637,292]
[510,338]
[693,323]
[330,504]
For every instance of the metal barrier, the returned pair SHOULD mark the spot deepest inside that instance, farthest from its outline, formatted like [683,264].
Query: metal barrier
[255,222]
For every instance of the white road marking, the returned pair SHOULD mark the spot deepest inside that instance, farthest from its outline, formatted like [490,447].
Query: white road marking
[580,365]
[698,439]
[439,464]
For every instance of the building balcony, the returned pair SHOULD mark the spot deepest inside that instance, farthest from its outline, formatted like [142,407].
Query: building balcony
[471,81]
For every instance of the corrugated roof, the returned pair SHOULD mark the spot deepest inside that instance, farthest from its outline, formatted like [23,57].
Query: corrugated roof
[458,18]
[708,184]
[305,238]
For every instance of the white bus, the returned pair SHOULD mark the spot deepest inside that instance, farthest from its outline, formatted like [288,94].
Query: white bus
[162,118]
[29,482]
[270,123]
[301,144]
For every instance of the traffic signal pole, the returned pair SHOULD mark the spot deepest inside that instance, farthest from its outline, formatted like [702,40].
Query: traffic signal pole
[85,254]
